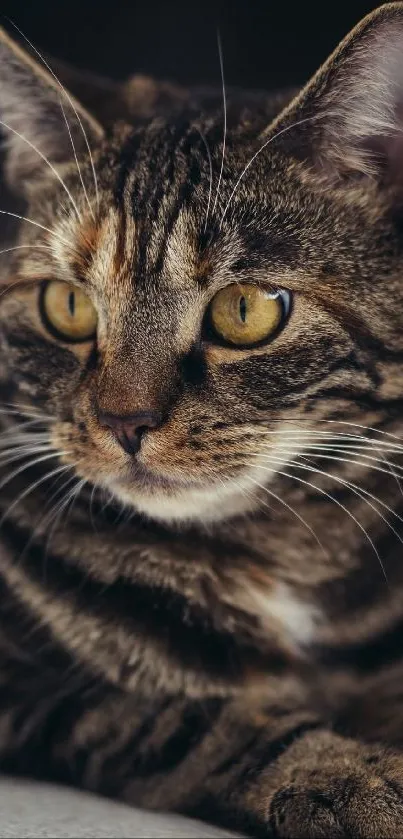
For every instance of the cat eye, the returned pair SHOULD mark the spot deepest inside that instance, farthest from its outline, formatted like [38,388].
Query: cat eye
[244,315]
[67,312]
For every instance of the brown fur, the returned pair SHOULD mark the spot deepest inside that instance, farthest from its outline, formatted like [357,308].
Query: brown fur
[214,624]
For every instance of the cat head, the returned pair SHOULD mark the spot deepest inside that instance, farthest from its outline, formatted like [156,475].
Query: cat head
[189,310]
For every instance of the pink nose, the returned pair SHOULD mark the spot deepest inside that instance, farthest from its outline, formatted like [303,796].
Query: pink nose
[130,429]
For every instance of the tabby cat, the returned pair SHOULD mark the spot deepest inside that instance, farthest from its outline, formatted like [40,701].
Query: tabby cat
[202,391]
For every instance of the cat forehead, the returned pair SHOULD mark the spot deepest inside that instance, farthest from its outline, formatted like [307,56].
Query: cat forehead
[126,250]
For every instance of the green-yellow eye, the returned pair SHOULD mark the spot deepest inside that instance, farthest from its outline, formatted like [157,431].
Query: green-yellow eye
[246,314]
[67,312]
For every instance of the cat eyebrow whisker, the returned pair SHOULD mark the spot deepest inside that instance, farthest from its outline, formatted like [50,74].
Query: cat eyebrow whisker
[211,177]
[262,147]
[70,101]
[76,160]
[37,224]
[225,120]
[22,247]
[47,161]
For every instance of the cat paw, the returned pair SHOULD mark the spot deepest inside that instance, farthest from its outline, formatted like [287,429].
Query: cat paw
[361,803]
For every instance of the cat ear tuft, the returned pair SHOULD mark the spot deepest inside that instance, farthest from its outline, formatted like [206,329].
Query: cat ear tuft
[32,121]
[349,118]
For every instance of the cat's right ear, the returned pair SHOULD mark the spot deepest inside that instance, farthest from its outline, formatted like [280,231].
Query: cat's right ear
[347,123]
[39,119]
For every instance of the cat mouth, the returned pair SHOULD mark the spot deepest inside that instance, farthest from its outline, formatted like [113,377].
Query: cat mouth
[139,476]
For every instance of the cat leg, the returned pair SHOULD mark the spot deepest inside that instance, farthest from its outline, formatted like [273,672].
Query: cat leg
[322,785]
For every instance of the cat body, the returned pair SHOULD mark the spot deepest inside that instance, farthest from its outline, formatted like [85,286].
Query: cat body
[201,379]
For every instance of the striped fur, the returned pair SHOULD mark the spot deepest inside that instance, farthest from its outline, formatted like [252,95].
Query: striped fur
[216,625]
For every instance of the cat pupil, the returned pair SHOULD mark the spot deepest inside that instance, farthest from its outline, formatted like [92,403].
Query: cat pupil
[72,299]
[242,309]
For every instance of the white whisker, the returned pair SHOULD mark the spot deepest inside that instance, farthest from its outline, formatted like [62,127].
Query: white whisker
[71,103]
[360,491]
[30,489]
[25,410]
[286,505]
[262,147]
[59,508]
[90,507]
[342,422]
[36,224]
[28,465]
[338,504]
[322,450]
[76,161]
[45,159]
[225,121]
[44,518]
[211,177]
[23,247]
[360,439]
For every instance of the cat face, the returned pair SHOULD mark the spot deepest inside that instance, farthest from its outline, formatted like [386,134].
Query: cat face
[190,321]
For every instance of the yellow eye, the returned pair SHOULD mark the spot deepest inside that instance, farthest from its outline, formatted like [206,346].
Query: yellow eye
[67,313]
[245,314]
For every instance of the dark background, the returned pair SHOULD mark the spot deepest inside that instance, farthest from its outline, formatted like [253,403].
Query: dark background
[266,43]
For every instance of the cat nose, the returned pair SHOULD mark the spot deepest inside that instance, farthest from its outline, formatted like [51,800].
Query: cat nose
[129,430]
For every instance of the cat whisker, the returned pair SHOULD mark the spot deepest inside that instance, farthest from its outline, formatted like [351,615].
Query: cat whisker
[342,422]
[322,451]
[71,103]
[21,428]
[284,504]
[48,163]
[20,452]
[90,507]
[259,151]
[225,121]
[391,468]
[211,177]
[43,520]
[53,233]
[353,487]
[23,247]
[360,439]
[10,440]
[76,161]
[29,465]
[26,410]
[59,508]
[358,491]
[274,470]
[30,489]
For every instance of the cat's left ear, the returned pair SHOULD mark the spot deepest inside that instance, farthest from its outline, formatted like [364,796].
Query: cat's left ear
[34,109]
[348,121]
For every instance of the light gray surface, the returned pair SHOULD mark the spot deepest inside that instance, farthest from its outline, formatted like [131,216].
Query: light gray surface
[29,809]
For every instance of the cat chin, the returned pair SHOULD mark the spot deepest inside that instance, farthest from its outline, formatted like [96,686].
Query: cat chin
[188,504]
[203,505]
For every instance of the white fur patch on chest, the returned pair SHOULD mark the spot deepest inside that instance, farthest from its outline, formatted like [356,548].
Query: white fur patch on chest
[282,610]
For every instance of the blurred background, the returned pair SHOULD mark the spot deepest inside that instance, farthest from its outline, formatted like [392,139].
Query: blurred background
[266,43]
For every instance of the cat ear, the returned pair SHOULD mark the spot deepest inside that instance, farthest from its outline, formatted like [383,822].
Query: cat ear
[348,121]
[32,121]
